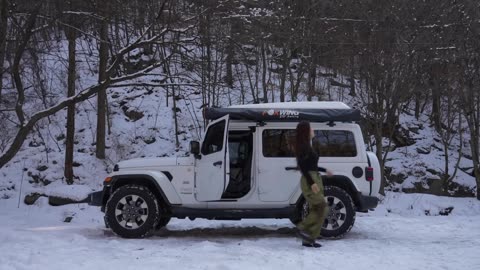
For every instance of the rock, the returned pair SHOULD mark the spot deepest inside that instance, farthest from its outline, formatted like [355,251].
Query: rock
[446,211]
[423,151]
[394,178]
[457,190]
[414,129]
[60,137]
[30,199]
[149,140]
[397,178]
[132,114]
[42,168]
[401,137]
[34,143]
[434,172]
[57,201]
[67,219]
[437,187]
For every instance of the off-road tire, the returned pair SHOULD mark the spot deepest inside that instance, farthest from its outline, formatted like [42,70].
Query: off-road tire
[162,222]
[336,198]
[152,216]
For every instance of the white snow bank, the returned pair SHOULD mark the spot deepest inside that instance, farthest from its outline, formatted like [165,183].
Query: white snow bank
[417,204]
[37,238]
[74,192]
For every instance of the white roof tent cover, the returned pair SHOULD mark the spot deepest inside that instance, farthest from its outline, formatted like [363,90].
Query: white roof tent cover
[288,111]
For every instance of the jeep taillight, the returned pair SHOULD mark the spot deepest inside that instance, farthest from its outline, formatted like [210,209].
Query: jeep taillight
[369,174]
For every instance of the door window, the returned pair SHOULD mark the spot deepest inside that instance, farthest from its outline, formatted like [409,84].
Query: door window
[213,141]
[278,142]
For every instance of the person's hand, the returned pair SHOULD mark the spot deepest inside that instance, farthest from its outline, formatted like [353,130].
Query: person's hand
[329,173]
[315,188]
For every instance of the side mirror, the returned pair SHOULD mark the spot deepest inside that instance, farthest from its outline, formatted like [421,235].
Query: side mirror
[195,148]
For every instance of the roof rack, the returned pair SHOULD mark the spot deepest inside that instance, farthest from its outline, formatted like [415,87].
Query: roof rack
[288,112]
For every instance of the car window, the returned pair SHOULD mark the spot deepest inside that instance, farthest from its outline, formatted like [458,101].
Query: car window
[327,143]
[334,143]
[213,141]
[278,142]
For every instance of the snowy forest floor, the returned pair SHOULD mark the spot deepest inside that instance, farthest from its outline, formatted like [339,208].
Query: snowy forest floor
[397,235]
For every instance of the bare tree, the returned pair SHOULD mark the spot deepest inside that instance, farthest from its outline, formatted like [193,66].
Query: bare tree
[102,76]
[451,128]
[113,77]
[71,34]
[3,39]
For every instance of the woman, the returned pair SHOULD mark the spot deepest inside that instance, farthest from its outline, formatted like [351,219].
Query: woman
[312,186]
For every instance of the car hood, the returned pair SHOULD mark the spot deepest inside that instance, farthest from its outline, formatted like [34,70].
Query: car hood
[154,162]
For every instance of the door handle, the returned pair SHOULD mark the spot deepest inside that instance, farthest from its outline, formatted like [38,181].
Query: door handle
[291,168]
[218,163]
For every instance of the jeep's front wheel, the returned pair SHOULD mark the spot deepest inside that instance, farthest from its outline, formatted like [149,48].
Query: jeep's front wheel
[132,211]
[341,215]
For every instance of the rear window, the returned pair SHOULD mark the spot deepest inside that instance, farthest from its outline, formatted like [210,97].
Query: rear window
[335,143]
[327,143]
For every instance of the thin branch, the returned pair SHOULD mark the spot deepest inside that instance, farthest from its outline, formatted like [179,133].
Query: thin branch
[152,85]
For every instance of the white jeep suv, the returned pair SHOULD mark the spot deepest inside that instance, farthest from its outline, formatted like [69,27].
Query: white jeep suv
[245,167]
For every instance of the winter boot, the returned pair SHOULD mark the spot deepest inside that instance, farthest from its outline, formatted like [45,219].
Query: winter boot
[304,235]
[311,244]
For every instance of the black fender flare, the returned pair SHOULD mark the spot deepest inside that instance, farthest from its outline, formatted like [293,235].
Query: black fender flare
[139,179]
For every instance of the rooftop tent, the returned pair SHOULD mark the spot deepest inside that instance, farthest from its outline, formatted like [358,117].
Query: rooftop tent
[288,111]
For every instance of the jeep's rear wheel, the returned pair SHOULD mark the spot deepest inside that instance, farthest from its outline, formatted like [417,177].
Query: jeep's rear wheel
[341,215]
[132,211]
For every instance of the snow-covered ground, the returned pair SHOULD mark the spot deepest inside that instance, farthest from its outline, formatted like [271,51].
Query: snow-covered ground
[397,235]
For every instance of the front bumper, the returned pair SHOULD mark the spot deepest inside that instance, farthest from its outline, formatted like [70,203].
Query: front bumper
[366,203]
[95,198]
[99,198]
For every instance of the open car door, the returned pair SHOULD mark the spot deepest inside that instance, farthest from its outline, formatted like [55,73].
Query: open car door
[213,168]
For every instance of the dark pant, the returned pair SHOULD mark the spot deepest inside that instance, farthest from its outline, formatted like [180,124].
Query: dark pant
[318,208]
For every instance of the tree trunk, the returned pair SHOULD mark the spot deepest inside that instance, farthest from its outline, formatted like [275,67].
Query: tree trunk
[378,152]
[417,105]
[175,117]
[474,144]
[69,142]
[436,110]
[446,173]
[3,39]
[283,77]
[229,61]
[264,74]
[102,94]
[17,79]
[312,77]
[436,92]
[352,76]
